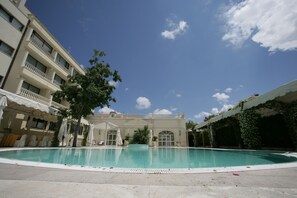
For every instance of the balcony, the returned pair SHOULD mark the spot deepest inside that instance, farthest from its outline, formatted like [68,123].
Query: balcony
[34,96]
[36,71]
[58,105]
[39,46]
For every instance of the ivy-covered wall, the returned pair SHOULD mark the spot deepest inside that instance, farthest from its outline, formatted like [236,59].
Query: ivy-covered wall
[250,134]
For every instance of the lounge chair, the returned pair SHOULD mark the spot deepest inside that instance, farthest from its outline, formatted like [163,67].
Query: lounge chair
[33,141]
[21,142]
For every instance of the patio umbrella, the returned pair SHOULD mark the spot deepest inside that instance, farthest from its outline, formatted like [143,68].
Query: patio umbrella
[63,131]
[91,134]
[119,140]
[3,104]
[151,137]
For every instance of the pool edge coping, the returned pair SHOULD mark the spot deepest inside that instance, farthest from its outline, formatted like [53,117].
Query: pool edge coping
[145,171]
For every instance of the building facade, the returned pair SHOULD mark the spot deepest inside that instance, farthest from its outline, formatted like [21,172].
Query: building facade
[13,24]
[33,66]
[170,130]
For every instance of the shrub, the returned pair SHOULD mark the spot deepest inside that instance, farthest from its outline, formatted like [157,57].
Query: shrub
[141,136]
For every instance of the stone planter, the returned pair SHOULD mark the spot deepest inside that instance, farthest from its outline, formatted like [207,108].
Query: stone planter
[155,143]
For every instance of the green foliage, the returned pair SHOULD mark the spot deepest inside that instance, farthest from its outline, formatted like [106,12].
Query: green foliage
[190,125]
[141,136]
[249,130]
[155,138]
[55,141]
[289,112]
[86,92]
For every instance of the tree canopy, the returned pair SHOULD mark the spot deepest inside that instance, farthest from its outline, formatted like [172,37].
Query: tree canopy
[85,92]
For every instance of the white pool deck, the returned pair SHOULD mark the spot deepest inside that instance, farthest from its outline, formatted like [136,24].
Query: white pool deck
[35,181]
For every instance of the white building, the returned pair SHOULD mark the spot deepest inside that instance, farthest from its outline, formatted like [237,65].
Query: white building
[169,129]
[35,65]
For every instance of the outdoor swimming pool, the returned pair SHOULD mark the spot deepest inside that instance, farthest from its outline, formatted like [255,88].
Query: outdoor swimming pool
[147,158]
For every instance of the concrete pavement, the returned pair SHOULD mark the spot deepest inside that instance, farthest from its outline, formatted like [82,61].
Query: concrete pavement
[25,181]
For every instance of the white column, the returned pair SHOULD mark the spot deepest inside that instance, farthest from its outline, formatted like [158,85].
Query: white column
[25,58]
[54,54]
[29,33]
[18,91]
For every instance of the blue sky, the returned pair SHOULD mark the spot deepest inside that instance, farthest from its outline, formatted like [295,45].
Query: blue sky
[193,57]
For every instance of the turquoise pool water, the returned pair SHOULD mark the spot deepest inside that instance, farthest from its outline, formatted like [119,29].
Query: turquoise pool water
[148,158]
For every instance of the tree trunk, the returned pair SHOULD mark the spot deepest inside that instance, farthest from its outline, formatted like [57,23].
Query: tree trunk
[76,132]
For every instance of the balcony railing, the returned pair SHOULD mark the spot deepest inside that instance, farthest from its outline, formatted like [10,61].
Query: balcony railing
[34,96]
[36,71]
[57,105]
[36,44]
[62,67]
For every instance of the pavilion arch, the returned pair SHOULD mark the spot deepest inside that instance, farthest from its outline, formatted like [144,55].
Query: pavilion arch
[166,138]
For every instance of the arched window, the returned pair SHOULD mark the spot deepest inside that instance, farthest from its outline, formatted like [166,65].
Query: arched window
[166,138]
[111,137]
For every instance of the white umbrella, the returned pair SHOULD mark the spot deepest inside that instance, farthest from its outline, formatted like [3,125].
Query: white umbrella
[3,104]
[151,137]
[63,131]
[91,134]
[119,140]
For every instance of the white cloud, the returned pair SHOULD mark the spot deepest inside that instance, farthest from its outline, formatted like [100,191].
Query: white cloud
[106,110]
[162,112]
[221,97]
[143,103]
[228,90]
[175,29]
[113,83]
[270,23]
[226,107]
[215,111]
[178,95]
[126,89]
[202,114]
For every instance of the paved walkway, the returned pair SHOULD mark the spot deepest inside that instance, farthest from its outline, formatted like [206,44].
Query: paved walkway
[25,181]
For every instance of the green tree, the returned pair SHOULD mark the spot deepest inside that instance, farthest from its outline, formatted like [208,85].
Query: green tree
[141,136]
[190,126]
[86,92]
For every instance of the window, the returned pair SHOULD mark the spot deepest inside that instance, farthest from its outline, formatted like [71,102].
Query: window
[74,72]
[9,18]
[6,49]
[38,40]
[61,61]
[58,80]
[53,126]
[111,137]
[32,61]
[72,129]
[30,87]
[166,138]
[38,123]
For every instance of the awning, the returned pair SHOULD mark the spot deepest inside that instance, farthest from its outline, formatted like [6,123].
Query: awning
[23,104]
